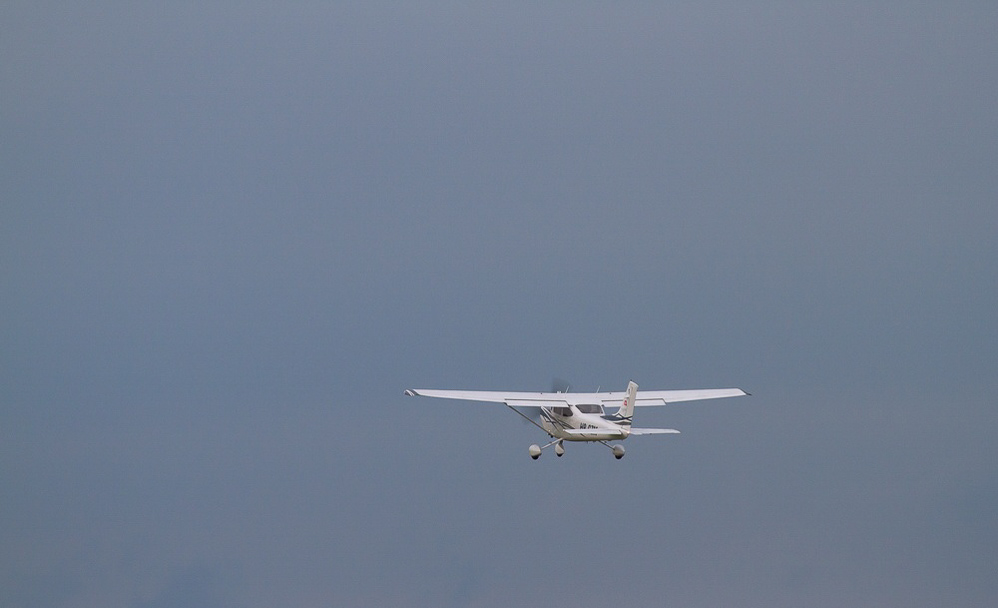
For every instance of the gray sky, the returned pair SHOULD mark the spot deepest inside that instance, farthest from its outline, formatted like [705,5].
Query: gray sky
[231,236]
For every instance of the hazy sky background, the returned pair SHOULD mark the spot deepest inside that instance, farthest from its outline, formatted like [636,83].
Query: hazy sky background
[230,236]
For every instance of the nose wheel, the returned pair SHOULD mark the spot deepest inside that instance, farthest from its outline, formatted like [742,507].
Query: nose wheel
[559,449]
[535,450]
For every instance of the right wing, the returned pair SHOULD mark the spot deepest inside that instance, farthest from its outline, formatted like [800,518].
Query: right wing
[646,398]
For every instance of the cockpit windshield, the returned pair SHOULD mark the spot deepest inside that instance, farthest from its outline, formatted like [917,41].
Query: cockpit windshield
[590,408]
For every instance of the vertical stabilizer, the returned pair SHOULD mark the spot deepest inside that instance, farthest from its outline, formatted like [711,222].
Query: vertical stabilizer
[626,410]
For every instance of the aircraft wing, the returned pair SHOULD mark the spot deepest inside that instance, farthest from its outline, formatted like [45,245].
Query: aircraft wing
[510,398]
[608,399]
[646,398]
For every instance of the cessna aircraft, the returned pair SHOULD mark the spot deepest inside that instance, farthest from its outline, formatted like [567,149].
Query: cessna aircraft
[568,416]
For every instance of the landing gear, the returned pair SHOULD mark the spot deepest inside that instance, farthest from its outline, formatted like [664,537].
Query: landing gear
[535,450]
[617,449]
[559,449]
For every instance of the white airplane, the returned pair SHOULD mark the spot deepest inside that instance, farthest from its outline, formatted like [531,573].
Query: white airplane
[581,416]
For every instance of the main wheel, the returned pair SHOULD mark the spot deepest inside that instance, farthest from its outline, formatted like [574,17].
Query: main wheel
[618,451]
[534,451]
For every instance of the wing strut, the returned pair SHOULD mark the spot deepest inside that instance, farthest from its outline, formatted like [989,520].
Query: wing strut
[527,418]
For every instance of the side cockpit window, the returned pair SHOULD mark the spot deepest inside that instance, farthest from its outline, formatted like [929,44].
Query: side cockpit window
[590,408]
[562,411]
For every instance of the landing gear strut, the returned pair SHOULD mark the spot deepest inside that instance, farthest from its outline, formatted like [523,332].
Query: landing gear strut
[535,450]
[617,449]
[559,449]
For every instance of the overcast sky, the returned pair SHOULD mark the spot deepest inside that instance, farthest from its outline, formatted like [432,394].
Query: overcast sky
[231,236]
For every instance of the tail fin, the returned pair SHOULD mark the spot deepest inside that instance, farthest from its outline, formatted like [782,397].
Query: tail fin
[626,410]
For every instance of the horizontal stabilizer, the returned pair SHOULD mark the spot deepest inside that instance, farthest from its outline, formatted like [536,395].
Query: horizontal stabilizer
[635,431]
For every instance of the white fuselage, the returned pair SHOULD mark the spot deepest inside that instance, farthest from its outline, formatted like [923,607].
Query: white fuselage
[570,424]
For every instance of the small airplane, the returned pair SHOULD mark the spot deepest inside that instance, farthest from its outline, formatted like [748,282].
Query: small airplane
[568,416]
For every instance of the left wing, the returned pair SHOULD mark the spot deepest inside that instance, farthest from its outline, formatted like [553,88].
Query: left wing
[510,398]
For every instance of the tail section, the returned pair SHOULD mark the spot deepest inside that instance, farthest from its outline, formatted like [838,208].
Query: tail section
[626,410]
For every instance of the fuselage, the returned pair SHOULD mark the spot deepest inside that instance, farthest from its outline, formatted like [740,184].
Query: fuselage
[583,423]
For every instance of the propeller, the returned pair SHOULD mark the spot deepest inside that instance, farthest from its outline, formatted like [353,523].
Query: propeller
[557,386]
[560,386]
